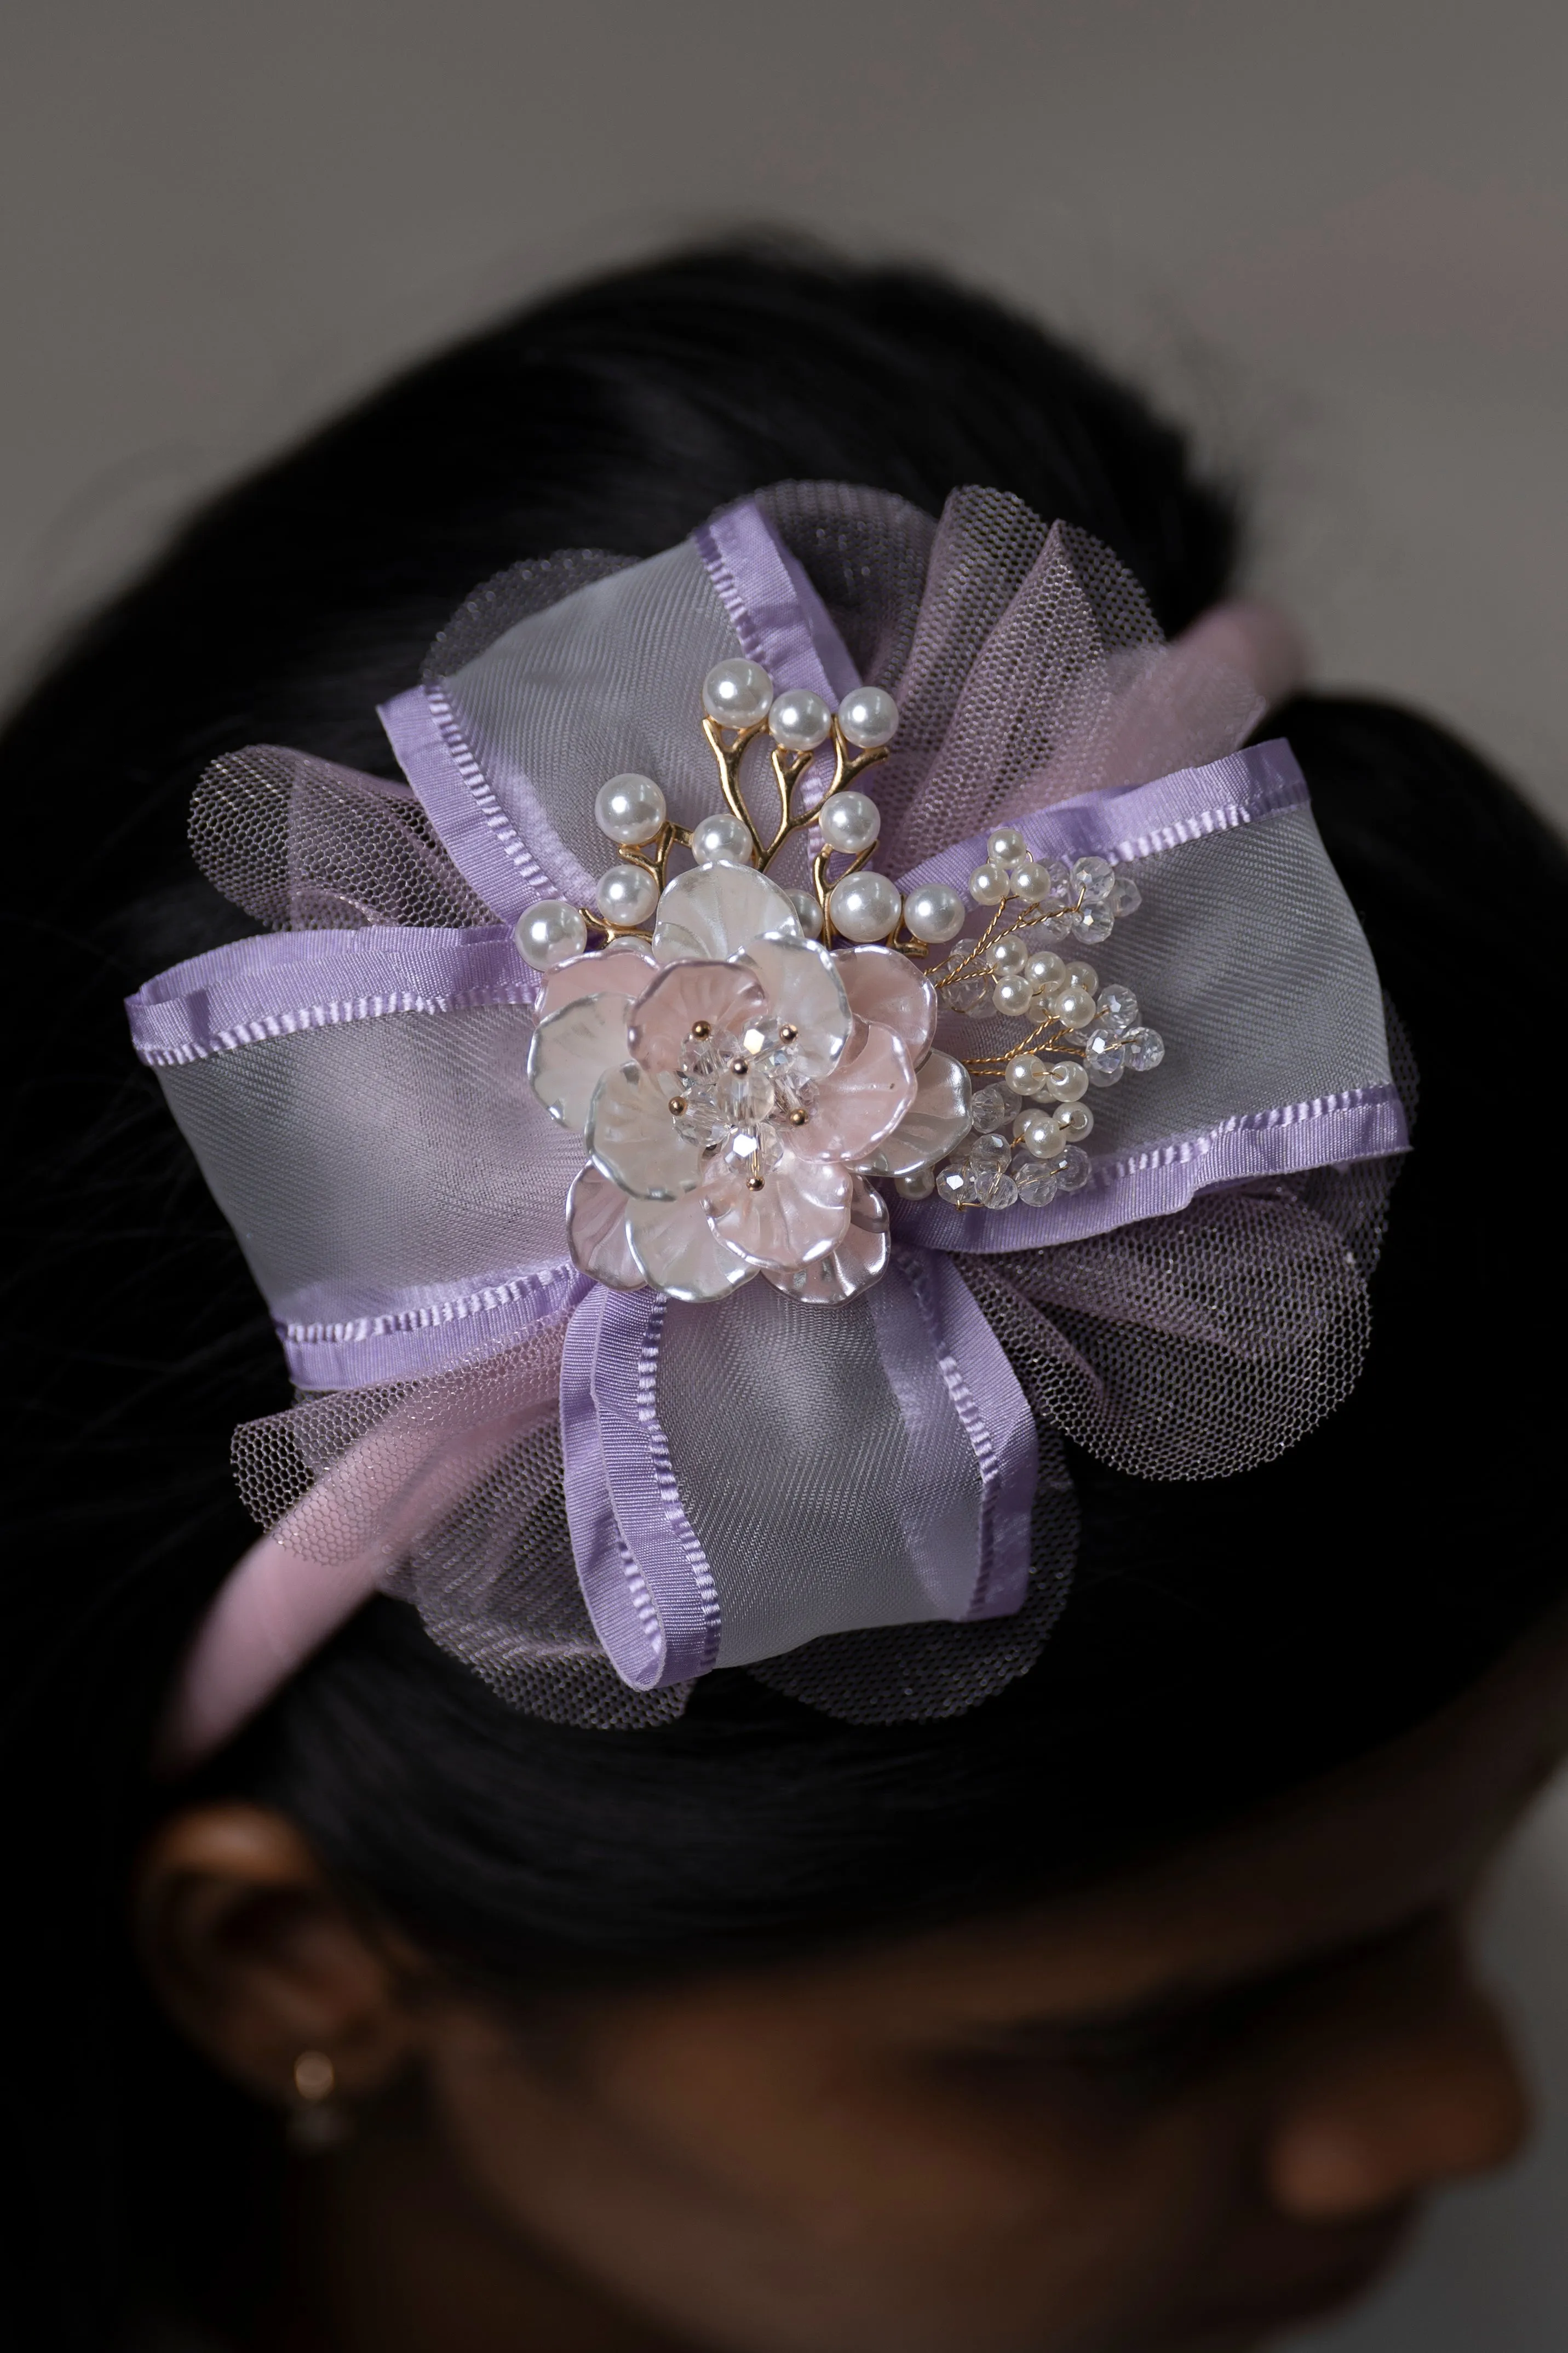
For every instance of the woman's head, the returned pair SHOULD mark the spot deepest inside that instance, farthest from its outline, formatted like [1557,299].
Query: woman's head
[1225,1642]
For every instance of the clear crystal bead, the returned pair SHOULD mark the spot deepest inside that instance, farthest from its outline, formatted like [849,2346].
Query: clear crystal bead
[1072,1169]
[990,1188]
[1145,1050]
[1120,1009]
[952,1180]
[1103,1066]
[1048,932]
[1125,896]
[992,1107]
[1091,924]
[744,1097]
[704,1058]
[993,1149]
[1035,1183]
[1093,879]
[962,996]
[1062,882]
[701,1122]
[753,1151]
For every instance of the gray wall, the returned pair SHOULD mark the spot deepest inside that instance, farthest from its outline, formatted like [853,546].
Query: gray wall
[1334,235]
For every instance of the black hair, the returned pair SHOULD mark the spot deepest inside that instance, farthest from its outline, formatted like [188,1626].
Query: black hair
[1222,1642]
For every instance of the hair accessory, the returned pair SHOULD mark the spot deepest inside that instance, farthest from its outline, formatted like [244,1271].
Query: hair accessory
[509,1129]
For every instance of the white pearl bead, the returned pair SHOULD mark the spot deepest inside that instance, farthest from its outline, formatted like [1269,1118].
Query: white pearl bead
[870,717]
[723,841]
[1082,976]
[1031,882]
[863,907]
[807,913]
[1006,846]
[799,720]
[1073,1007]
[918,1185]
[627,896]
[1067,1080]
[935,914]
[1038,1132]
[988,886]
[1006,955]
[1012,994]
[629,808]
[1046,971]
[737,692]
[849,821]
[549,931]
[1024,1074]
[1075,1121]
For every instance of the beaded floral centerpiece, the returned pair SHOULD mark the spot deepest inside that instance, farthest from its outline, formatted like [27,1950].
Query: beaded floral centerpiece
[741,1059]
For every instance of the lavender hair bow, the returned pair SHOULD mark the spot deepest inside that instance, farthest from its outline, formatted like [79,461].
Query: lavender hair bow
[714,1263]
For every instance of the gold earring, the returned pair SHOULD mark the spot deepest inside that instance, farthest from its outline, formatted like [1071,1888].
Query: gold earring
[317,2122]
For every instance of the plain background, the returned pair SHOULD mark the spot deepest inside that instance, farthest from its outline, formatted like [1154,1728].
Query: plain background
[1332,234]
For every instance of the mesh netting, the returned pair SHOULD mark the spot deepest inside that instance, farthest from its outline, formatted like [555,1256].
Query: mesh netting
[512,596]
[306,846]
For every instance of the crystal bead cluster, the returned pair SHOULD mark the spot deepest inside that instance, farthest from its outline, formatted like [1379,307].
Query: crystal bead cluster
[1028,1116]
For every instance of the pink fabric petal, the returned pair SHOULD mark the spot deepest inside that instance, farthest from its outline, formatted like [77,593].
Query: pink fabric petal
[859,1260]
[632,1137]
[801,1212]
[570,1052]
[885,986]
[934,1123]
[596,1229]
[803,988]
[725,995]
[619,970]
[678,1249]
[860,1103]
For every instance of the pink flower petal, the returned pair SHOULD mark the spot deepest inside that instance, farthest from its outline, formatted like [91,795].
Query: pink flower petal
[885,986]
[859,1260]
[632,1137]
[619,970]
[938,1117]
[680,1252]
[725,995]
[860,1103]
[597,1228]
[803,988]
[801,1211]
[724,909]
[570,1052]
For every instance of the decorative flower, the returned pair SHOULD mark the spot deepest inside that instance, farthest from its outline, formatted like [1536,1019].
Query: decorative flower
[733,1084]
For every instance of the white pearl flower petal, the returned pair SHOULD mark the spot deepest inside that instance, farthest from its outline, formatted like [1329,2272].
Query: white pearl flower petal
[937,1119]
[632,1137]
[596,1229]
[859,1260]
[615,971]
[570,1052]
[860,1103]
[801,1211]
[722,909]
[885,986]
[680,1252]
[725,995]
[804,990]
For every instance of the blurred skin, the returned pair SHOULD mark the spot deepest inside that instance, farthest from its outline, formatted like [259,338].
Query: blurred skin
[1173,2115]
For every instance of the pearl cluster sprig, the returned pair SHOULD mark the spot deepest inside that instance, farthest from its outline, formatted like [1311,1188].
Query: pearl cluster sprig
[846,899]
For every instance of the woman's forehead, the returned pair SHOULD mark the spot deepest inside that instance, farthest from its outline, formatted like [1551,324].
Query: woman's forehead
[1333,1868]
